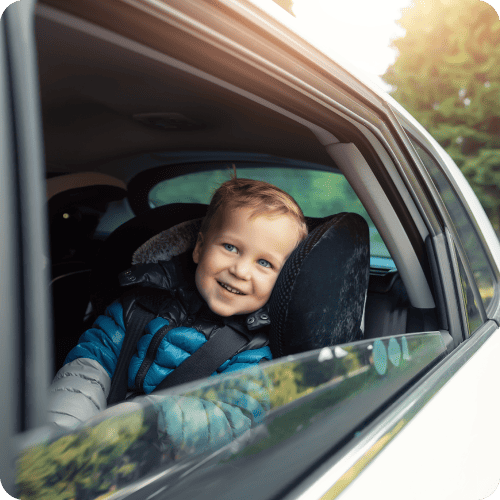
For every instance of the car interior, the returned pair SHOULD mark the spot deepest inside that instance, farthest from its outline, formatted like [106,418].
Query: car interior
[126,127]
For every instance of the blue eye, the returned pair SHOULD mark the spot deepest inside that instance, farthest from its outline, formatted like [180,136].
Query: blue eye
[230,248]
[264,263]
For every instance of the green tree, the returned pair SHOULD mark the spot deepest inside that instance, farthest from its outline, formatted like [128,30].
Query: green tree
[84,464]
[447,75]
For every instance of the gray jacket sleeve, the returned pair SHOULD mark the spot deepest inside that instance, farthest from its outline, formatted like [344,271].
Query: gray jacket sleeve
[78,392]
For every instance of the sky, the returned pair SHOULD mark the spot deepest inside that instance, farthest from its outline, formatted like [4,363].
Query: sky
[360,30]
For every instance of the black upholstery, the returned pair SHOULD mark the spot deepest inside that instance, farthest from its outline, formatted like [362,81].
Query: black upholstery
[389,311]
[319,297]
[70,298]
[74,215]
[116,252]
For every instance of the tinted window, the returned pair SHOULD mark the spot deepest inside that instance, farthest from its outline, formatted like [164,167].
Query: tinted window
[306,405]
[318,193]
[465,229]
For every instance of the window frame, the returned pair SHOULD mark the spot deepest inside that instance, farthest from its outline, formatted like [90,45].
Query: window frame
[414,131]
[462,255]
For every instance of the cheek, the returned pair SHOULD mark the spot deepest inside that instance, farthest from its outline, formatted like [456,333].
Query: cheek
[266,284]
[201,277]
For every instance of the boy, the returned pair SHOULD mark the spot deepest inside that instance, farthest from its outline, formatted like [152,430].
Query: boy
[250,229]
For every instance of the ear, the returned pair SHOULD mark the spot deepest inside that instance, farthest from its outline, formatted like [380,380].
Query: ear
[197,248]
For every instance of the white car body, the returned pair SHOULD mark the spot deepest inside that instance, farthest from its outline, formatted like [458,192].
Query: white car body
[440,437]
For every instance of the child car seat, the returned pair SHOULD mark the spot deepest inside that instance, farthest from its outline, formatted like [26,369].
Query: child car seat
[318,299]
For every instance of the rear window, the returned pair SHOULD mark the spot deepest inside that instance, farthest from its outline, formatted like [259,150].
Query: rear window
[319,194]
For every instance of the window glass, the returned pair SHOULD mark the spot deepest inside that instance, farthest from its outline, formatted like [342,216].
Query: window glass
[465,229]
[251,421]
[318,193]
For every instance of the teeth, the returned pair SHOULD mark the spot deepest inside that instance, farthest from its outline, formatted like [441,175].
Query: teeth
[227,287]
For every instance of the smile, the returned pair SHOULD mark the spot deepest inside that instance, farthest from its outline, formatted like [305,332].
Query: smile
[230,289]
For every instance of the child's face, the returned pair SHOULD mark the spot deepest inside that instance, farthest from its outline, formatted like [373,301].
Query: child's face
[240,257]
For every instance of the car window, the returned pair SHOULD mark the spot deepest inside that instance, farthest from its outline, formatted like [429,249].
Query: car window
[470,241]
[319,194]
[288,404]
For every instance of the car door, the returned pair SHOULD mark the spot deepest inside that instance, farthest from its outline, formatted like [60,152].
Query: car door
[307,445]
[464,382]
[25,343]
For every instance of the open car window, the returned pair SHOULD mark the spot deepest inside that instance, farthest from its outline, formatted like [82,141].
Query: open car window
[288,404]
[332,194]
[295,413]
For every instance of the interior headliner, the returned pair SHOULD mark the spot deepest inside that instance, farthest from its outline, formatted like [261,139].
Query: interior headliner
[91,88]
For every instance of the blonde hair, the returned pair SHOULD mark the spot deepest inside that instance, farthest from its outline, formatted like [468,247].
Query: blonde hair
[260,196]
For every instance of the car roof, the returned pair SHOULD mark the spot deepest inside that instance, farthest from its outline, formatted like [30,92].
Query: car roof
[126,100]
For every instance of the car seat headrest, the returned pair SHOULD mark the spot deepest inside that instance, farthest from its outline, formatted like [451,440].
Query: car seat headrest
[81,180]
[169,243]
[319,297]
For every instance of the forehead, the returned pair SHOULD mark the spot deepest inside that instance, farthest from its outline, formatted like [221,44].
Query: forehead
[274,233]
[233,218]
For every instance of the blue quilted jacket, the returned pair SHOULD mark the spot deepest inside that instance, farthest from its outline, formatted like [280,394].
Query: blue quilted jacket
[182,306]
[80,388]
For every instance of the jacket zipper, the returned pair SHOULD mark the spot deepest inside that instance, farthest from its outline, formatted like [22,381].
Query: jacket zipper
[150,356]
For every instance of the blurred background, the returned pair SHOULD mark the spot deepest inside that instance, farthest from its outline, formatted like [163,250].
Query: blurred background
[440,59]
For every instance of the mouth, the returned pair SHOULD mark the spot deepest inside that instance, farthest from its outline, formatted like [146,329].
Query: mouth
[230,289]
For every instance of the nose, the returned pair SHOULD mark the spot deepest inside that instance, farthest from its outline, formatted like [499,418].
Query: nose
[241,269]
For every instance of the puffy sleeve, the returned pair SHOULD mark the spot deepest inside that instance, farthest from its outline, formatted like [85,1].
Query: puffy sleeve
[81,387]
[209,419]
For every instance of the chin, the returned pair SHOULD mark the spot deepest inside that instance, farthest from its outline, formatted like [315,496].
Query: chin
[226,311]
[221,309]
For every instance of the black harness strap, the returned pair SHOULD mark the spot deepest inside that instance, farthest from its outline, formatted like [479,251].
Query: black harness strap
[134,331]
[220,347]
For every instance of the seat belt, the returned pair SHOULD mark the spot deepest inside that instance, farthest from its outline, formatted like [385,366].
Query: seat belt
[134,331]
[220,347]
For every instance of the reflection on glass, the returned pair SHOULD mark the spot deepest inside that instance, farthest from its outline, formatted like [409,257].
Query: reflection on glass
[176,433]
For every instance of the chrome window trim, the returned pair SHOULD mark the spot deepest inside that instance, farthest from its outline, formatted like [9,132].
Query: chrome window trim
[340,470]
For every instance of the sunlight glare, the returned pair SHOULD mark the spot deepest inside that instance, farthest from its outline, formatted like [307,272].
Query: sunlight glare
[359,30]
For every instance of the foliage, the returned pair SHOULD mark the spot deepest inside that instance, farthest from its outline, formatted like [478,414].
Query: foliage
[447,75]
[82,464]
[287,383]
